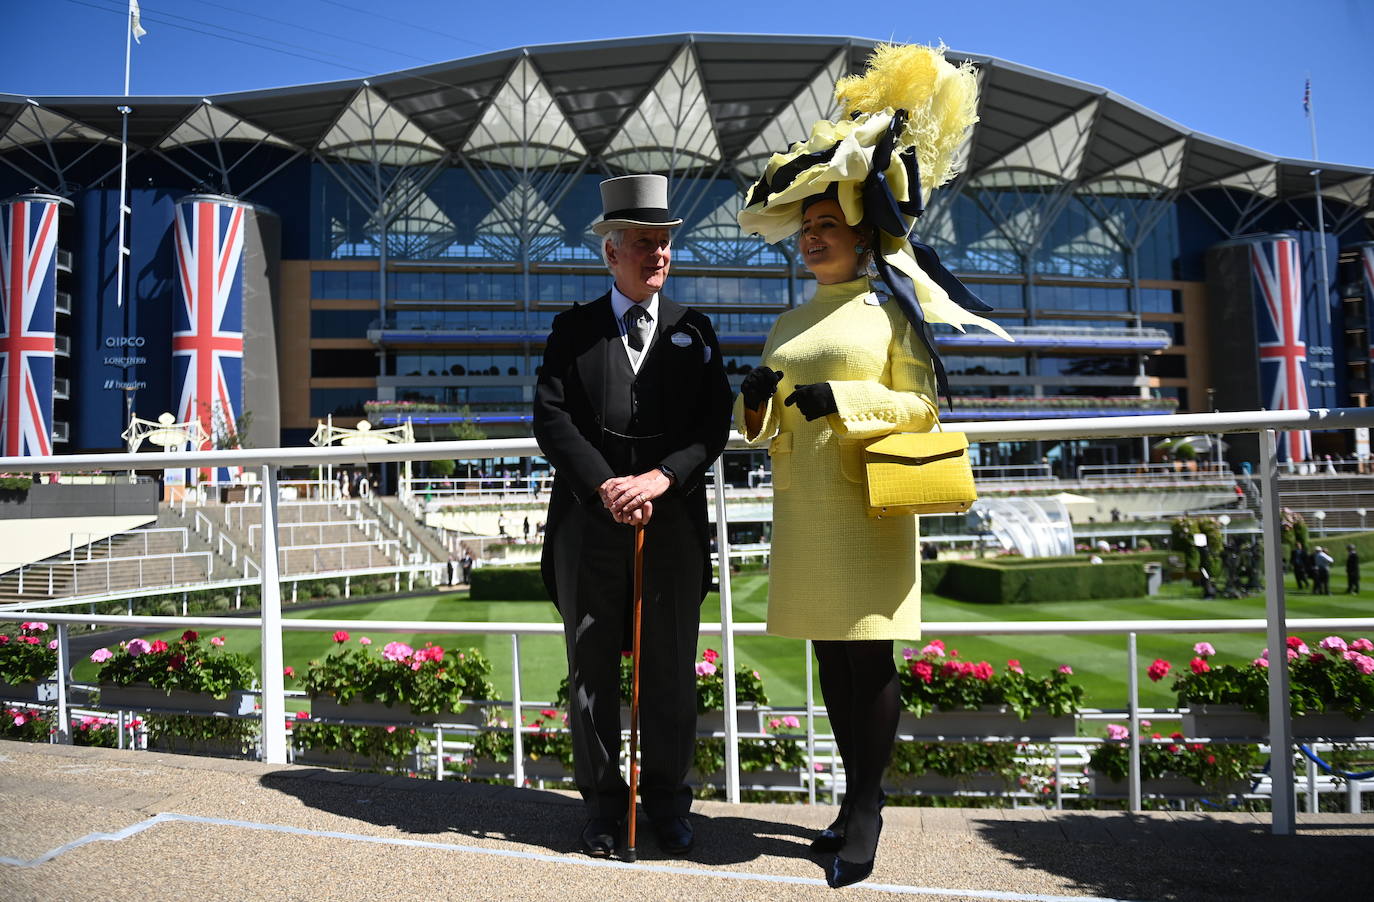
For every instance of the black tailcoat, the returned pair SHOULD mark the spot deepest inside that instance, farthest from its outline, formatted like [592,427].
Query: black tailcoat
[595,418]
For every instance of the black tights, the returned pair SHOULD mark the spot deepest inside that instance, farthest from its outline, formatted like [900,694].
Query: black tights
[862,698]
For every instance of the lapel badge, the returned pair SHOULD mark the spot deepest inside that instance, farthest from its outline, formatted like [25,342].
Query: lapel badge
[681,339]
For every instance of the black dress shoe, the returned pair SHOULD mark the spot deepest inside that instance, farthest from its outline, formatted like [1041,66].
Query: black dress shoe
[832,838]
[674,834]
[846,873]
[599,836]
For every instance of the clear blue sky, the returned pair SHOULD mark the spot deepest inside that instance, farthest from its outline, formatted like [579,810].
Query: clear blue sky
[1227,68]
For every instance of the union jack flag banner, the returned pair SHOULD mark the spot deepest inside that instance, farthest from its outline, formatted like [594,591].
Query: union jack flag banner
[207,332]
[1282,352]
[28,338]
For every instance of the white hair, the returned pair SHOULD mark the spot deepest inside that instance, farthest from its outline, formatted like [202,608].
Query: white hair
[616,237]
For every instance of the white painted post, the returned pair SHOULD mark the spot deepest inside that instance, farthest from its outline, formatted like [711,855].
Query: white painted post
[1133,700]
[438,753]
[518,720]
[1284,821]
[273,683]
[727,635]
[63,736]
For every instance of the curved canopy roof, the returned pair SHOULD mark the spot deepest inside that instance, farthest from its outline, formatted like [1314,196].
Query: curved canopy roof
[679,103]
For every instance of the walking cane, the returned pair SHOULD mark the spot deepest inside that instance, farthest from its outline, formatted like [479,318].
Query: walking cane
[634,690]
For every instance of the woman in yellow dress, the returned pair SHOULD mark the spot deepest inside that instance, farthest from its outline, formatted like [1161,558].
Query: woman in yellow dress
[854,363]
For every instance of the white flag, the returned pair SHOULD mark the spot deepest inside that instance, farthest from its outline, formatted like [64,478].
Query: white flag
[138,29]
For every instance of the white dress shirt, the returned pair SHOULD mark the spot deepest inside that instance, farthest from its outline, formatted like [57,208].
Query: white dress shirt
[619,304]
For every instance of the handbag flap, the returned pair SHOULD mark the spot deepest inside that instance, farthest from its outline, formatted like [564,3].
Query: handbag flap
[919,446]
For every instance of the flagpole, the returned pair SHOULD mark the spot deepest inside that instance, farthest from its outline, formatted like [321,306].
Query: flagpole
[1321,216]
[124,111]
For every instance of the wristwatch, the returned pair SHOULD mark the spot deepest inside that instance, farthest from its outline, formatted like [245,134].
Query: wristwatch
[668,471]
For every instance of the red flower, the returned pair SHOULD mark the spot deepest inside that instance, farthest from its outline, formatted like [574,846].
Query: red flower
[982,670]
[1294,642]
[1156,736]
[923,671]
[1199,665]
[190,636]
[1172,747]
[1014,665]
[288,671]
[1316,657]
[949,668]
[341,636]
[710,655]
[627,654]
[177,662]
[1211,759]
[158,645]
[302,715]
[1175,735]
[4,640]
[1159,669]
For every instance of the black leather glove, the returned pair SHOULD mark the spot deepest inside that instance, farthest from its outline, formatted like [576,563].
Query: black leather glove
[760,385]
[814,401]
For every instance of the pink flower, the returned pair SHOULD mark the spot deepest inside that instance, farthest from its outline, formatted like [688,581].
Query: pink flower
[923,671]
[791,722]
[217,640]
[982,670]
[158,645]
[705,668]
[1293,654]
[1158,670]
[1332,643]
[710,656]
[393,729]
[138,647]
[101,655]
[1260,662]
[341,636]
[364,641]
[1064,668]
[1199,665]
[1365,665]
[302,715]
[52,646]
[4,640]
[1296,644]
[397,651]
[774,723]
[36,626]
[20,719]
[1204,650]
[1145,724]
[1014,665]
[1117,731]
[549,712]
[934,649]
[1362,645]
[908,654]
[288,671]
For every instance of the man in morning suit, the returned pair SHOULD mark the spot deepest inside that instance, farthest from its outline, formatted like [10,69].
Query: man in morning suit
[631,408]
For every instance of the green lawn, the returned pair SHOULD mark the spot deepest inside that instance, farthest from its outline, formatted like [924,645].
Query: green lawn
[1099,661]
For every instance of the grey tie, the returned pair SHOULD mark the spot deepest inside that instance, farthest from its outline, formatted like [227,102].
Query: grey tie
[639,326]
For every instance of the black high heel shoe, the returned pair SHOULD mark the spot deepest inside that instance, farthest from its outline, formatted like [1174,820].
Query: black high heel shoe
[843,873]
[832,838]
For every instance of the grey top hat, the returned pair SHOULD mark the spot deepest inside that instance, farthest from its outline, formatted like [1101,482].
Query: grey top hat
[634,202]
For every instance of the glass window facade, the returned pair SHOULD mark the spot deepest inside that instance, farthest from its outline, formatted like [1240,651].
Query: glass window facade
[1082,298]
[341,323]
[455,363]
[1103,365]
[345,363]
[339,402]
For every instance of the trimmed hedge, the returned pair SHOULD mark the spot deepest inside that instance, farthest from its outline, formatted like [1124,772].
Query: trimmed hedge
[988,583]
[933,574]
[507,584]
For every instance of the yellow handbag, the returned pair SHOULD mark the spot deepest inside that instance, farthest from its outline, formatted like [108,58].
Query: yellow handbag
[918,473]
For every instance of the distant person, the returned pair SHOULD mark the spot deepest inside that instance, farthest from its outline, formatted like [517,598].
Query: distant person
[1299,564]
[1321,579]
[1352,570]
[525,529]
[466,563]
[1116,515]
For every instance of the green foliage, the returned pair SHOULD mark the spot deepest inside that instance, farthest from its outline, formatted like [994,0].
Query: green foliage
[710,684]
[202,734]
[770,752]
[1181,539]
[507,584]
[438,685]
[548,738]
[954,759]
[442,469]
[933,575]
[15,488]
[25,656]
[990,582]
[1208,765]
[1334,677]
[189,664]
[936,680]
[25,725]
[381,745]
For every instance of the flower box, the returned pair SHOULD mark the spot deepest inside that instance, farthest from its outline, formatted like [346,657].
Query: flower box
[327,707]
[1234,722]
[768,778]
[748,719]
[1168,785]
[211,748]
[342,759]
[989,720]
[939,784]
[142,697]
[545,768]
[38,692]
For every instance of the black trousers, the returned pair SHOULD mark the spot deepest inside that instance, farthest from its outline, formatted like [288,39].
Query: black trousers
[594,568]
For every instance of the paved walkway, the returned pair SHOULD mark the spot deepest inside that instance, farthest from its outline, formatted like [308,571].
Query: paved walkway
[84,824]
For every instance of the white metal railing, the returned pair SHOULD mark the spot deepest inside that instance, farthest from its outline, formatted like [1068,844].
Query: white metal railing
[139,572]
[271,624]
[1203,470]
[369,528]
[321,556]
[346,509]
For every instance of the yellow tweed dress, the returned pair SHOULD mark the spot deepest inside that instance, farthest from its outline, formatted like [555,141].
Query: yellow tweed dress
[836,573]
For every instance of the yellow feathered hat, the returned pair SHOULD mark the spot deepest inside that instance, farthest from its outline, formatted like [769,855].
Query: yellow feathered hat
[903,121]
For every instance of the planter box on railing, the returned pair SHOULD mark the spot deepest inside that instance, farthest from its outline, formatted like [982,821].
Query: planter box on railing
[327,707]
[213,748]
[342,759]
[939,784]
[748,719]
[37,692]
[990,720]
[544,768]
[1234,722]
[142,697]
[768,778]
[1167,785]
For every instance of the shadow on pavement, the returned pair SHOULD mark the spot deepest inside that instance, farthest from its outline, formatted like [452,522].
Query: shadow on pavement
[1127,857]
[549,821]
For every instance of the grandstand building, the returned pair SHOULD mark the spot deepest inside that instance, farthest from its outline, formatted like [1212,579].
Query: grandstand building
[397,246]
